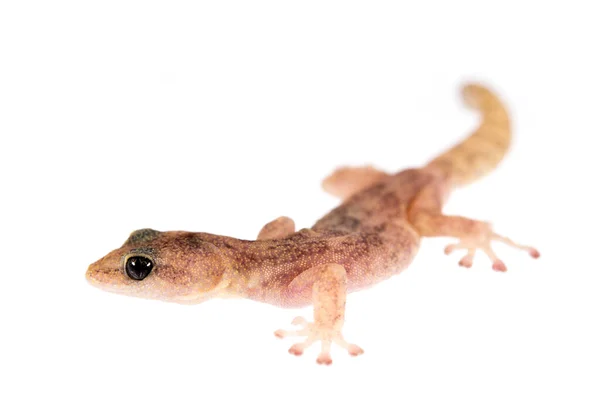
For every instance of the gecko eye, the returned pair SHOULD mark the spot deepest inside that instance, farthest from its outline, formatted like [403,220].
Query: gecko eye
[138,267]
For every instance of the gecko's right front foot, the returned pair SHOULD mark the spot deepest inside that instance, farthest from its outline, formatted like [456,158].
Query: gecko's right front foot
[315,333]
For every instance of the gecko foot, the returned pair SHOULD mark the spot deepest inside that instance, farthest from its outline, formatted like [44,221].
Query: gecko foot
[483,242]
[314,333]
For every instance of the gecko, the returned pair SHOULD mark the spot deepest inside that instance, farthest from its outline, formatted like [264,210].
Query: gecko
[371,236]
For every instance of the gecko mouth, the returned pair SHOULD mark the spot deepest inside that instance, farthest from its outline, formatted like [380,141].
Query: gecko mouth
[105,278]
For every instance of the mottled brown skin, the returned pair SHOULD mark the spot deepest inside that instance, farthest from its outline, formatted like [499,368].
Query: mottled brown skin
[373,235]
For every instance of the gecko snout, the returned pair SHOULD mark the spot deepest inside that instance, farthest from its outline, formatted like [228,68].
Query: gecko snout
[96,274]
[106,271]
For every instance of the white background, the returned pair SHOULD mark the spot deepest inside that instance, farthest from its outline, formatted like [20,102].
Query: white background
[219,116]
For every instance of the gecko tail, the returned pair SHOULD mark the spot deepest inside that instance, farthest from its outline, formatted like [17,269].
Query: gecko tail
[481,152]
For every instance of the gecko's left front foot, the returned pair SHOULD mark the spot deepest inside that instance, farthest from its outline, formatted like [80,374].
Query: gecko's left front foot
[326,284]
[483,240]
[314,333]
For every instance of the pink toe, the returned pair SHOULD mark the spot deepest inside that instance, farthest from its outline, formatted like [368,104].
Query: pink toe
[299,321]
[324,359]
[534,253]
[296,350]
[499,266]
[355,350]
[280,333]
[466,262]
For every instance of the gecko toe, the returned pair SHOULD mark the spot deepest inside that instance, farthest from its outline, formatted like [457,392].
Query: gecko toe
[355,350]
[449,249]
[466,261]
[280,333]
[499,266]
[324,359]
[296,350]
[301,321]
[534,253]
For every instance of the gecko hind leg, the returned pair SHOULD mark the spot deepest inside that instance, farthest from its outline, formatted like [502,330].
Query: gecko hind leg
[328,286]
[346,181]
[277,229]
[473,235]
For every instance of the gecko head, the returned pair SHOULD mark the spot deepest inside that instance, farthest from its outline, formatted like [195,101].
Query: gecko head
[181,267]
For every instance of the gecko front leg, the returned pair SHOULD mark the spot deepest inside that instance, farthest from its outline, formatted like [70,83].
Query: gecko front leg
[328,284]
[277,229]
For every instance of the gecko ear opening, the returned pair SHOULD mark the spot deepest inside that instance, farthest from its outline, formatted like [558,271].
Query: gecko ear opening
[142,236]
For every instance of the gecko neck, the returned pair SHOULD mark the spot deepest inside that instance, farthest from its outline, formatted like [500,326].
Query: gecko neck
[244,259]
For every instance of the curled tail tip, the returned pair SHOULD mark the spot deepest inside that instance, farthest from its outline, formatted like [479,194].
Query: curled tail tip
[483,150]
[476,95]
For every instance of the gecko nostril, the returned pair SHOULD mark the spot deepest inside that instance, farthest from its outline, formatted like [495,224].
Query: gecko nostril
[91,273]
